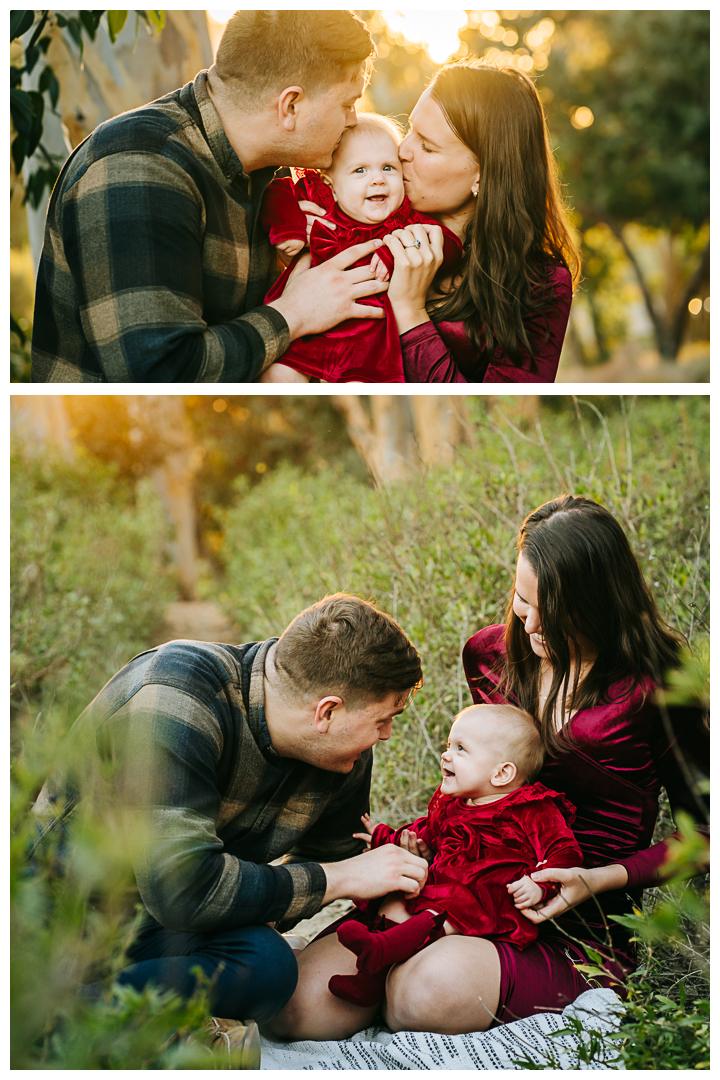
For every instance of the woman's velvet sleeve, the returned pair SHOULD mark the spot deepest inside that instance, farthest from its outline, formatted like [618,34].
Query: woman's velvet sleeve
[547,336]
[426,357]
[681,760]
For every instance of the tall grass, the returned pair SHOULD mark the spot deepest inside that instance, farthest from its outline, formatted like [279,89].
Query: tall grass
[438,552]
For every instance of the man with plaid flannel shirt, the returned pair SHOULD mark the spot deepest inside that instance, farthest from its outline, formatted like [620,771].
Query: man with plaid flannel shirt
[155,266]
[222,760]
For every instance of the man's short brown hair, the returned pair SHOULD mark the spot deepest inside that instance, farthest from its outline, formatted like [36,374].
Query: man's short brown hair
[344,645]
[262,52]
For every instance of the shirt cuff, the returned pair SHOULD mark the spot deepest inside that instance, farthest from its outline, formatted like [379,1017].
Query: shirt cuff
[272,328]
[309,886]
[425,331]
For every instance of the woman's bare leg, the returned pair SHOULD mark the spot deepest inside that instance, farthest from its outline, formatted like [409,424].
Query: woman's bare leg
[439,988]
[313,1012]
[282,373]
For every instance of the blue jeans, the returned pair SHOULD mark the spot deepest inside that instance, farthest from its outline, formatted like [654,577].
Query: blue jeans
[253,969]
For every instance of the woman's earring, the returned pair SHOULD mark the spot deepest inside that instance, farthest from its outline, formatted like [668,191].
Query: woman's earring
[474,194]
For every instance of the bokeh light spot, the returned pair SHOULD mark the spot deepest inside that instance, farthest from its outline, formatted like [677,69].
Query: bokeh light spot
[219,405]
[695,306]
[436,31]
[582,117]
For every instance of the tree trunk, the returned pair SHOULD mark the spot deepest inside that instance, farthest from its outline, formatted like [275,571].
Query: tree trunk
[668,330]
[383,436]
[163,419]
[399,434]
[441,424]
[40,424]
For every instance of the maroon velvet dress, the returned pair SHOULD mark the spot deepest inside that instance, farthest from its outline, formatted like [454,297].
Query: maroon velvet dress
[357,350]
[480,850]
[443,353]
[612,773]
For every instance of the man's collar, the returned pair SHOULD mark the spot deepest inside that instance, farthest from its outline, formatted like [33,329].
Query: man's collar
[218,141]
[256,702]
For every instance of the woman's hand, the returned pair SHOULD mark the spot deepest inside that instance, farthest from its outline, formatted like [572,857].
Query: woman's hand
[312,212]
[418,253]
[576,884]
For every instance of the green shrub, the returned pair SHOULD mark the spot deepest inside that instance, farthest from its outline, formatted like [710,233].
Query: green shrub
[88,580]
[438,552]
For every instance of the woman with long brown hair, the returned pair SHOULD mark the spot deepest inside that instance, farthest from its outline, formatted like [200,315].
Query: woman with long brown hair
[478,159]
[583,650]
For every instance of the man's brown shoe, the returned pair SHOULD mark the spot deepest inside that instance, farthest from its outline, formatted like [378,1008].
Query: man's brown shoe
[237,1041]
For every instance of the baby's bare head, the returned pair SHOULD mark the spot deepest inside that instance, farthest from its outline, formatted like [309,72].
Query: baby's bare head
[510,733]
[366,173]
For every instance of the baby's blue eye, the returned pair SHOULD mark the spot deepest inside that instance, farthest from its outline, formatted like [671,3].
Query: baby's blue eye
[360,169]
[390,167]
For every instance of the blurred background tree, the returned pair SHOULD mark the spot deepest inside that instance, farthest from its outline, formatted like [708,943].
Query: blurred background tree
[627,99]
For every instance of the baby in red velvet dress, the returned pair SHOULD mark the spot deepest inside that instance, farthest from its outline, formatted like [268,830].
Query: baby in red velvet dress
[488,827]
[364,196]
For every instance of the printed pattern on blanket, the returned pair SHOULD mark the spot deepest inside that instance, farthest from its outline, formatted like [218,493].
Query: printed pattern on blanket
[530,1039]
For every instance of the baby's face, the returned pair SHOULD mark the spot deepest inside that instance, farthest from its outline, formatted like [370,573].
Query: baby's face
[473,754]
[366,176]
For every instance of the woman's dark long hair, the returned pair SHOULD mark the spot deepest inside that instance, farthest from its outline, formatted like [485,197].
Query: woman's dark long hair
[519,232]
[590,588]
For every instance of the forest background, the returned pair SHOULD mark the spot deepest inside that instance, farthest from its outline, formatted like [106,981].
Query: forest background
[626,95]
[140,518]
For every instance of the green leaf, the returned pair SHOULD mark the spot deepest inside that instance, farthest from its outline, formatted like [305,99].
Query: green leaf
[49,83]
[20,23]
[21,108]
[115,21]
[157,18]
[15,329]
[19,153]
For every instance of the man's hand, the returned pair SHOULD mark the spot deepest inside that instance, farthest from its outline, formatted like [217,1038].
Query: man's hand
[374,873]
[318,298]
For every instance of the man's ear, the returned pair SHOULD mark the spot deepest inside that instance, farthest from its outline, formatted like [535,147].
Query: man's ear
[504,774]
[287,106]
[324,713]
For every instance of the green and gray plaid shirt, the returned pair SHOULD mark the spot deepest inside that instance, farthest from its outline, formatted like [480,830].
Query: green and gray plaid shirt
[155,266]
[181,731]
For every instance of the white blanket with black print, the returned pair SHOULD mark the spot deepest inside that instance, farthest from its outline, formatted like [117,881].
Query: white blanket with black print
[549,1040]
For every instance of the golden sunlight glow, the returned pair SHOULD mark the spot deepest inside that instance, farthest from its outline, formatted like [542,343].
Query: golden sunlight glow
[695,306]
[582,117]
[436,31]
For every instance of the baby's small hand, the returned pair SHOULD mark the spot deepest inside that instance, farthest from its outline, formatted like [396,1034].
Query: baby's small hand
[379,268]
[290,248]
[525,892]
[416,845]
[370,825]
